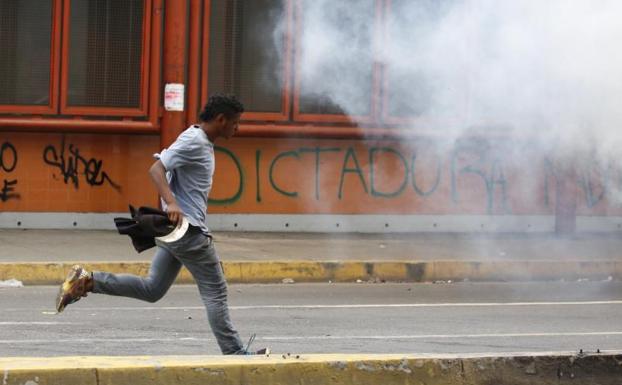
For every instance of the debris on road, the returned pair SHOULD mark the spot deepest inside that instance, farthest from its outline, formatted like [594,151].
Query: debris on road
[376,280]
[11,283]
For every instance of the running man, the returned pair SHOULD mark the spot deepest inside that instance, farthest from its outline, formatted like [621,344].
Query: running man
[183,177]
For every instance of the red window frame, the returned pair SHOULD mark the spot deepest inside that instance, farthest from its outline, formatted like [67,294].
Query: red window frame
[52,107]
[143,109]
[49,120]
[283,115]
[337,118]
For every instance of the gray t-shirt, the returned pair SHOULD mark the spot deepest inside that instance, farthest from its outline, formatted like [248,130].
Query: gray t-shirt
[190,163]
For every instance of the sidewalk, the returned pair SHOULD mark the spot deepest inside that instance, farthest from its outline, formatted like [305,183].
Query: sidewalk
[347,369]
[271,257]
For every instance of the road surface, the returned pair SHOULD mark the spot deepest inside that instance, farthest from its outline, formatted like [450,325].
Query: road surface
[324,318]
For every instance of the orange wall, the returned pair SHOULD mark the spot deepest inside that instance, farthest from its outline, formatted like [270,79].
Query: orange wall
[294,176]
[76,181]
[398,177]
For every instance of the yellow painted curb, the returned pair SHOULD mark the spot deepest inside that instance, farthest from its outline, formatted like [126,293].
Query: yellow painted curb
[515,369]
[42,273]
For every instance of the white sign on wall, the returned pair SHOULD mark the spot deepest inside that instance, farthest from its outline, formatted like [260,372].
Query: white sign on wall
[174,97]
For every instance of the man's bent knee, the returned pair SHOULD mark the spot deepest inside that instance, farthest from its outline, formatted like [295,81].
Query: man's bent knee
[153,293]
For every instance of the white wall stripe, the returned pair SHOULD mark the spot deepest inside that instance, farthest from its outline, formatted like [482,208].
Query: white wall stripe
[376,223]
[18,323]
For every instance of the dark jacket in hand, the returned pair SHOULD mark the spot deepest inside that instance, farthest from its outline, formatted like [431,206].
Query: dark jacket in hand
[144,226]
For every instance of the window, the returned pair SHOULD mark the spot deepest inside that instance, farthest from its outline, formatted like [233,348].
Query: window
[335,71]
[356,62]
[106,56]
[248,49]
[67,59]
[105,53]
[247,53]
[415,86]
[26,79]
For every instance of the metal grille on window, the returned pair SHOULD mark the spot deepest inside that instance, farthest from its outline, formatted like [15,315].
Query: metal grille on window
[105,53]
[245,53]
[335,62]
[24,70]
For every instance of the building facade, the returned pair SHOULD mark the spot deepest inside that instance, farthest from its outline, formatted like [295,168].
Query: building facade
[91,89]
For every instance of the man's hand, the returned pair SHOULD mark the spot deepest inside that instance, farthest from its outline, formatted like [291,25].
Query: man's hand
[174,213]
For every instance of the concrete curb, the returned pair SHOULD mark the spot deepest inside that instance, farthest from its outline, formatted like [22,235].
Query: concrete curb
[43,273]
[514,369]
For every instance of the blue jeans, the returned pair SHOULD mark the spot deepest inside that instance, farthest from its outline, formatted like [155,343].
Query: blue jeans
[196,252]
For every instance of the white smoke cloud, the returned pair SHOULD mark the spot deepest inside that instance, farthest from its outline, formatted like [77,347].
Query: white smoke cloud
[549,68]
[337,62]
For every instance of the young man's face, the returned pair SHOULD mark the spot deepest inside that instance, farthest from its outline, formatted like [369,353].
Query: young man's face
[228,127]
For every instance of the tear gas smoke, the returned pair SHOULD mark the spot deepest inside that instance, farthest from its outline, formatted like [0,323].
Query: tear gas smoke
[550,69]
[546,75]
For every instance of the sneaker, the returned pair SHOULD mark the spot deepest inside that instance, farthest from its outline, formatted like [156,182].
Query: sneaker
[77,284]
[261,352]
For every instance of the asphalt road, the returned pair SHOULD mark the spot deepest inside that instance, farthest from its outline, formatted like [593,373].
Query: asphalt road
[324,318]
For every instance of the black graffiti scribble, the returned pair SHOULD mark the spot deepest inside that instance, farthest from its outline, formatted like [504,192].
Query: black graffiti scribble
[8,162]
[8,191]
[73,165]
[479,160]
[8,157]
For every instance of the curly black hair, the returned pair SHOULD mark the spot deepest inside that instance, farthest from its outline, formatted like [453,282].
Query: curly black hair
[221,104]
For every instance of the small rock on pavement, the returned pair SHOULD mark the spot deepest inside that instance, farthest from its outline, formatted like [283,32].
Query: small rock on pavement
[288,280]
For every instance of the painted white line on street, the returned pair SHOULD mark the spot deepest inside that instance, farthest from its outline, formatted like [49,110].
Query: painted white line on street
[364,306]
[442,336]
[427,305]
[341,306]
[90,340]
[325,337]
[14,323]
